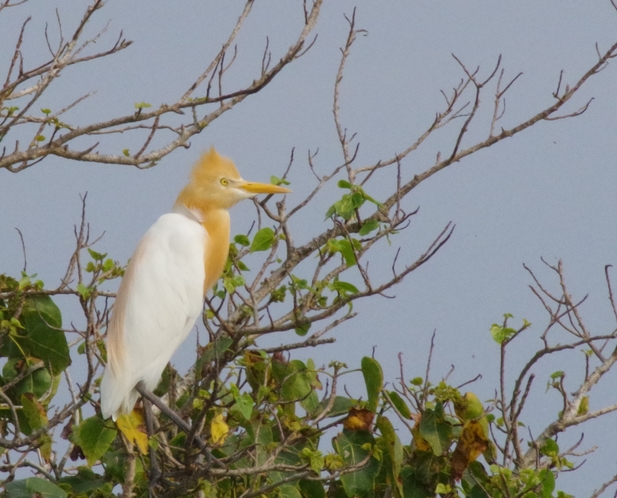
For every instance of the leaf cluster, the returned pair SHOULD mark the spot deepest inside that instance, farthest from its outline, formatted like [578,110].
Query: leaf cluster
[36,352]
[267,425]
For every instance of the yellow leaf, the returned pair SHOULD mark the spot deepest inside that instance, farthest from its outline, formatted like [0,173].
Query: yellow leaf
[359,419]
[583,408]
[37,419]
[219,429]
[133,428]
[471,444]
[420,443]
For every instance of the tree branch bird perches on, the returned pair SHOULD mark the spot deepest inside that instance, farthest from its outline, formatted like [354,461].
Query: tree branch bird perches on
[161,295]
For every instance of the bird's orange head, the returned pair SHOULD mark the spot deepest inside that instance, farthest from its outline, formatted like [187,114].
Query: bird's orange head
[215,183]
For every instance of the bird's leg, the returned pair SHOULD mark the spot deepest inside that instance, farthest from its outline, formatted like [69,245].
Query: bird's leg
[155,471]
[173,416]
[155,400]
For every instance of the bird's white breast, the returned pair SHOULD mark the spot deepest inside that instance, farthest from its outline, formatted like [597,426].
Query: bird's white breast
[159,300]
[168,290]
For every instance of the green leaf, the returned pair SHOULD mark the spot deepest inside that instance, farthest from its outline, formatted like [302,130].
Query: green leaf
[344,288]
[413,484]
[231,283]
[476,478]
[341,406]
[373,379]
[41,337]
[108,264]
[213,351]
[548,483]
[264,439]
[299,283]
[278,295]
[550,448]
[436,430]
[297,384]
[24,282]
[303,329]
[244,406]
[370,199]
[126,152]
[315,458]
[393,451]
[279,181]
[344,184]
[311,489]
[85,481]
[142,105]
[167,378]
[357,199]
[36,416]
[33,411]
[561,494]
[400,404]
[501,334]
[344,247]
[345,208]
[289,491]
[331,211]
[45,309]
[97,256]
[263,240]
[354,447]
[368,226]
[94,436]
[311,402]
[115,462]
[242,240]
[40,138]
[33,486]
[242,266]
[84,292]
[290,456]
[45,342]
[37,383]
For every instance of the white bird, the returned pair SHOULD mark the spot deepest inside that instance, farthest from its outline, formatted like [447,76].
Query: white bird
[161,295]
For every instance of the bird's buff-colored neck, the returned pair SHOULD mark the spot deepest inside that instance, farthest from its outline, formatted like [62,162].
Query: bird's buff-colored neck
[217,225]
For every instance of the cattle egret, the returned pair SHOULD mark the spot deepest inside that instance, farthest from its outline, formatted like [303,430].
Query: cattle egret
[161,295]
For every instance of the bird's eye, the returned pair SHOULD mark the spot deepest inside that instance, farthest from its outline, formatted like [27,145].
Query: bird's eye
[224,182]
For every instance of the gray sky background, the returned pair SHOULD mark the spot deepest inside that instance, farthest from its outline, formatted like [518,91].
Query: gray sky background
[549,192]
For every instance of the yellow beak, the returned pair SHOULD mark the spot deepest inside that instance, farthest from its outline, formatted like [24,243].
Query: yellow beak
[263,188]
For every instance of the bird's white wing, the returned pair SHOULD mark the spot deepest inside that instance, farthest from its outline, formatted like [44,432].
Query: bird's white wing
[159,299]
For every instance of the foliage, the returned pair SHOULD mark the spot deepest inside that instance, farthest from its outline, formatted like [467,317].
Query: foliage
[266,424]
[261,422]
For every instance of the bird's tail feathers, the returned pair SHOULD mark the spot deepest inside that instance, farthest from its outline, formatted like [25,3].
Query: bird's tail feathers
[118,395]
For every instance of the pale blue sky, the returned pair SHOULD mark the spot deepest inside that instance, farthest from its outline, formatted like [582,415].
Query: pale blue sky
[549,192]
